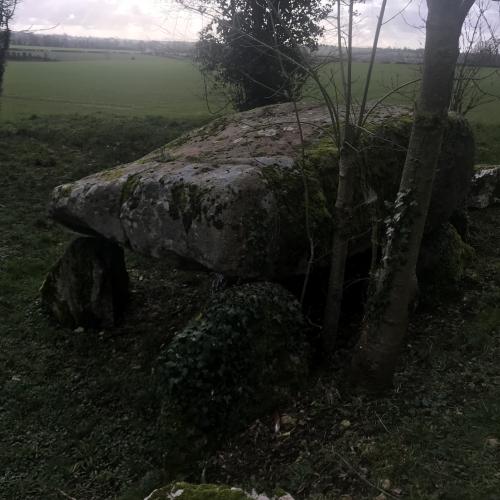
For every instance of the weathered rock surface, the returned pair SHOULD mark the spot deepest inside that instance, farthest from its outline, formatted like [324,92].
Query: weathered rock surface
[243,356]
[188,491]
[88,286]
[485,187]
[230,196]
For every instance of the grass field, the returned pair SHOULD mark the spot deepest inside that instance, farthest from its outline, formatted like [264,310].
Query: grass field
[139,85]
[79,411]
[144,86]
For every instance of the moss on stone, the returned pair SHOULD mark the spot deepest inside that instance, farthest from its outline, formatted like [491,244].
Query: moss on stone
[188,491]
[258,240]
[190,202]
[186,203]
[112,174]
[161,155]
[129,187]
[444,259]
[287,186]
[64,190]
[215,126]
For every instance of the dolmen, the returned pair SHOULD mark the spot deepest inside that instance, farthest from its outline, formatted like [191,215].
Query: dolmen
[230,197]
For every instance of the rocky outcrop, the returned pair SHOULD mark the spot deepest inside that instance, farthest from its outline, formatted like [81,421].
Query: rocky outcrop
[88,286]
[230,196]
[485,188]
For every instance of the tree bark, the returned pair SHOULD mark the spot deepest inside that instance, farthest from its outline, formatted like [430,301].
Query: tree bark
[377,352]
[4,47]
[340,242]
[346,182]
[343,209]
[7,10]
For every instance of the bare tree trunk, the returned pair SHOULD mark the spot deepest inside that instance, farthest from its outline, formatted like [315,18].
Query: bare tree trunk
[7,10]
[343,209]
[340,242]
[346,182]
[386,319]
[4,47]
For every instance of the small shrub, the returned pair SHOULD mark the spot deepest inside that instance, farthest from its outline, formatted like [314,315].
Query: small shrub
[242,357]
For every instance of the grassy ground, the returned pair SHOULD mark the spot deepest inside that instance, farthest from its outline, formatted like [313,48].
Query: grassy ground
[437,436]
[145,85]
[75,409]
[78,412]
[138,85]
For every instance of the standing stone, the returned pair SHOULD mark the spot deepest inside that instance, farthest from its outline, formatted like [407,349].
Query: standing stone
[88,286]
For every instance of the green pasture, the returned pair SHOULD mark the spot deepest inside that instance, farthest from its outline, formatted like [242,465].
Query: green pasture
[114,82]
[142,86]
[388,80]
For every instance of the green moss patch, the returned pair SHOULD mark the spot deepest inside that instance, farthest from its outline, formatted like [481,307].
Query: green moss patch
[444,258]
[187,491]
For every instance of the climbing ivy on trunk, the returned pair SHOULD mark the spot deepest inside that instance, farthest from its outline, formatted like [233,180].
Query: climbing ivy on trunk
[377,352]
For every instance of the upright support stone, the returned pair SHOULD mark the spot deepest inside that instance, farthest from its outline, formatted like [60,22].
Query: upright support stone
[88,286]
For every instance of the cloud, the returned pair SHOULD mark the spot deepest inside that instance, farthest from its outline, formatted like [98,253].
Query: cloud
[119,18]
[165,19]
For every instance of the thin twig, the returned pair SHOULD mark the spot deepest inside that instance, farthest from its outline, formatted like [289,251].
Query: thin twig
[362,477]
[65,494]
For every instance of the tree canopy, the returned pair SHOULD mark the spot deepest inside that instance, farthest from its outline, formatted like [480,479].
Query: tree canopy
[252,47]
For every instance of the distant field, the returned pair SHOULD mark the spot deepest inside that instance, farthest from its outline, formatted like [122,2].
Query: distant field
[390,76]
[142,86]
[70,54]
[133,84]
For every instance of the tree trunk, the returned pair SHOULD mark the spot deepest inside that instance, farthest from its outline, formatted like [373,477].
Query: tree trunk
[340,243]
[4,47]
[343,210]
[346,183]
[386,318]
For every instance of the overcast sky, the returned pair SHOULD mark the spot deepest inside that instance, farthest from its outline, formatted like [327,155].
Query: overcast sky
[165,20]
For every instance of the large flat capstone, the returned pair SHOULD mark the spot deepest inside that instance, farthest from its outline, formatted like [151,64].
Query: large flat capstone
[230,196]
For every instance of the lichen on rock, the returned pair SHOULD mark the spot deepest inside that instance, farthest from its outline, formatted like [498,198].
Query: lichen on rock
[189,491]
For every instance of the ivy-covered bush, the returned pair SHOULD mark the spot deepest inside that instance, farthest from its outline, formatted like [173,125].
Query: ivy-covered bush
[243,356]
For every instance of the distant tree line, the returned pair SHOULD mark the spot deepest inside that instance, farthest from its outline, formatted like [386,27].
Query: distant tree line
[28,55]
[403,55]
[80,42]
